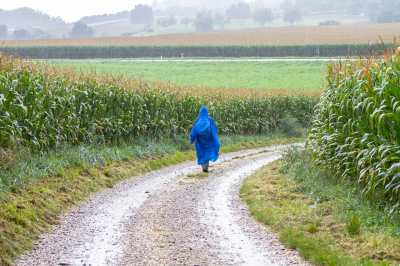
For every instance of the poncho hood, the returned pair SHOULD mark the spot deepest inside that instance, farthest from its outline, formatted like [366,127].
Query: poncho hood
[203,111]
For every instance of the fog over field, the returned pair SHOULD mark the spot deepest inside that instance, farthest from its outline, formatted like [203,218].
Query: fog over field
[13,14]
[215,6]
[23,20]
[67,13]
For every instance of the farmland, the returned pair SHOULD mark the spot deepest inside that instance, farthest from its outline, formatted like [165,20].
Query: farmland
[56,120]
[248,23]
[283,75]
[76,107]
[358,33]
[66,120]
[58,124]
[126,27]
[357,128]
[219,51]
[337,201]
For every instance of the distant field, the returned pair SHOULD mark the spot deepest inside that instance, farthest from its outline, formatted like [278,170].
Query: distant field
[248,23]
[126,27]
[238,74]
[114,29]
[358,33]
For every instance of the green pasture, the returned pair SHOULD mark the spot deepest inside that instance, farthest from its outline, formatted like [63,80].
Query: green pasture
[288,75]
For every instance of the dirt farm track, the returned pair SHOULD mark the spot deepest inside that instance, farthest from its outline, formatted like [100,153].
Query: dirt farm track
[168,218]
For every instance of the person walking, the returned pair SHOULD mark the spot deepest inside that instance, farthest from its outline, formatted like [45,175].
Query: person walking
[204,132]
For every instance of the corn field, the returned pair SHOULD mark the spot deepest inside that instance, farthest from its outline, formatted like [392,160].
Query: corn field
[132,51]
[41,108]
[356,133]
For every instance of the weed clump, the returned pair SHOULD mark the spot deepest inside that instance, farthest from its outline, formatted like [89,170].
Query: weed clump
[107,173]
[354,225]
[290,127]
[182,143]
[312,228]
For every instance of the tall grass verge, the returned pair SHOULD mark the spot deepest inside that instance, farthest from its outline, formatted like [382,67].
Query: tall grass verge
[327,221]
[17,168]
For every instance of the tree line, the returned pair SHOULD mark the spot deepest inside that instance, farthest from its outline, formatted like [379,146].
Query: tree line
[24,34]
[22,17]
[291,11]
[205,20]
[377,11]
[80,30]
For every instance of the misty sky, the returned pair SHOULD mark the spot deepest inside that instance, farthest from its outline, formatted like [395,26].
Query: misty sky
[73,10]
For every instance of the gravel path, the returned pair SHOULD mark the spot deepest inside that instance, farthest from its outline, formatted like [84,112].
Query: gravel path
[169,217]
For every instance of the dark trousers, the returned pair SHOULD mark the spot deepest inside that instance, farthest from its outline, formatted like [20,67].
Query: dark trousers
[205,165]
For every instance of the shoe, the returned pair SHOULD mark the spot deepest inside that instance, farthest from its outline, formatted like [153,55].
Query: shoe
[205,170]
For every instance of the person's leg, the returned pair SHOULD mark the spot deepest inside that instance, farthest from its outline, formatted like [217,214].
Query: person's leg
[205,166]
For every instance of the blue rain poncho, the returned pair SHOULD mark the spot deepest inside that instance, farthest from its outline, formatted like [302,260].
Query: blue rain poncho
[204,132]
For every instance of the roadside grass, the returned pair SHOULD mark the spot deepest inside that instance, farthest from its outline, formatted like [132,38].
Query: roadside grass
[37,189]
[327,222]
[197,176]
[275,75]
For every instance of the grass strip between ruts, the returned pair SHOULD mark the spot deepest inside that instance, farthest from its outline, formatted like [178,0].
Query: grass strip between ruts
[316,225]
[28,211]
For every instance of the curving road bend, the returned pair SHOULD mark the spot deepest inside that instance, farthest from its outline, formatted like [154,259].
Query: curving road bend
[169,217]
